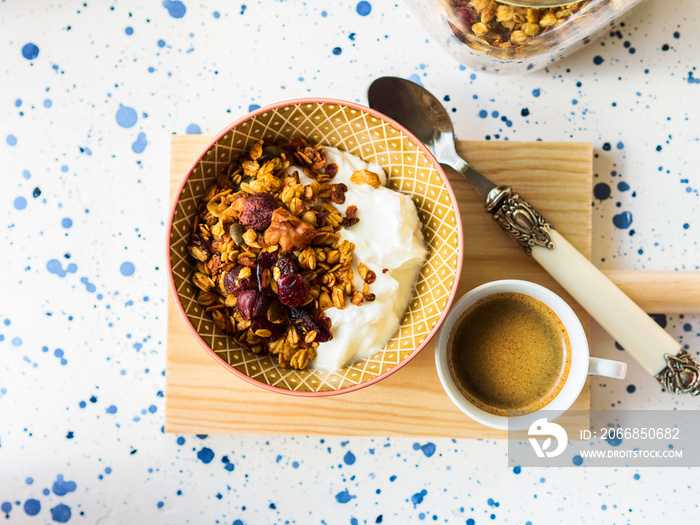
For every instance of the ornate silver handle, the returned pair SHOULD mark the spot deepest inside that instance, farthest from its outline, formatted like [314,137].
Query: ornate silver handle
[518,219]
[681,375]
[616,313]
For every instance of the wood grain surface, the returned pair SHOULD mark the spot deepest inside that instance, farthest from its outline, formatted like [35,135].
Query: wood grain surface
[203,397]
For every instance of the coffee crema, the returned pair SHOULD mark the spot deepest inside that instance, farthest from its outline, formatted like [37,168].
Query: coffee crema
[508,353]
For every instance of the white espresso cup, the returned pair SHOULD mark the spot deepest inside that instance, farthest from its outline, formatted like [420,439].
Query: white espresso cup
[582,363]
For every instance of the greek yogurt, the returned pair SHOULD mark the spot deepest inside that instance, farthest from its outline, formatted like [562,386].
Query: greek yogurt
[389,241]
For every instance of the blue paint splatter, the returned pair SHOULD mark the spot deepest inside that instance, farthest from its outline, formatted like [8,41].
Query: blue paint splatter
[363,8]
[205,455]
[30,51]
[691,79]
[601,191]
[161,43]
[66,223]
[180,441]
[577,460]
[216,14]
[660,319]
[160,504]
[631,388]
[127,269]
[228,466]
[32,507]
[88,285]
[598,60]
[536,92]
[344,496]
[175,8]
[61,488]
[636,476]
[6,507]
[126,116]
[517,470]
[623,186]
[54,266]
[29,480]
[193,129]
[48,103]
[417,498]
[612,440]
[253,107]
[129,30]
[20,203]
[622,220]
[140,144]
[483,113]
[11,140]
[415,79]
[26,174]
[16,341]
[111,409]
[337,51]
[428,449]
[61,513]
[349,458]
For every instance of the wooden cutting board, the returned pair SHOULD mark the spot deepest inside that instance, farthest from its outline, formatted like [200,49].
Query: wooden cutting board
[202,397]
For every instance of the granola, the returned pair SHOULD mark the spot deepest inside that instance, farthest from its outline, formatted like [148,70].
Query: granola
[499,25]
[269,256]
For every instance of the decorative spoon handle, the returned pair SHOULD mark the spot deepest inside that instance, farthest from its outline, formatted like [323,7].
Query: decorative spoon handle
[658,353]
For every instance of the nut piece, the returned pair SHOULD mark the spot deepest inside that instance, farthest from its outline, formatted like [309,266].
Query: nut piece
[289,231]
[357,298]
[257,211]
[366,177]
[198,249]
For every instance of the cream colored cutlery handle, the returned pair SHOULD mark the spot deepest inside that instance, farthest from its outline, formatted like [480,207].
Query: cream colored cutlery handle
[626,322]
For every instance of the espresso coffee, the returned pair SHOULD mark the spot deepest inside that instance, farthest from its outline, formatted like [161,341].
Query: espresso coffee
[508,353]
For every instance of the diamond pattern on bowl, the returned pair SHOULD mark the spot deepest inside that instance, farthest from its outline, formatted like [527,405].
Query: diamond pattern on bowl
[410,171]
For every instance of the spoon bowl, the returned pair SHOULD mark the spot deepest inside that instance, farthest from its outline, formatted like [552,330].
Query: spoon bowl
[419,111]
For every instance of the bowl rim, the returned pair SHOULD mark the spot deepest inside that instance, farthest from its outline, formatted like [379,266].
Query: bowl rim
[238,122]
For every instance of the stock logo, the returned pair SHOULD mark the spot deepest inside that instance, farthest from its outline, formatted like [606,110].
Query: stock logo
[555,442]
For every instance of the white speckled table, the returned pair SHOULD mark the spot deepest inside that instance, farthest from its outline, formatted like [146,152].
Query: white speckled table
[91,93]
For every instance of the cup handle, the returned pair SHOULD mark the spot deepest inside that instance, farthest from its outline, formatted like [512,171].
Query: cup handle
[607,368]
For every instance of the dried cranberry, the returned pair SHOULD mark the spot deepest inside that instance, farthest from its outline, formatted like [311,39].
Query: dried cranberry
[304,322]
[286,266]
[232,284]
[252,304]
[466,15]
[323,334]
[293,289]
[257,211]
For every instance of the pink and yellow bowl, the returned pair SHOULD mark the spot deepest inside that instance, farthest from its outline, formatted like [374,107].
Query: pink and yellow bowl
[411,169]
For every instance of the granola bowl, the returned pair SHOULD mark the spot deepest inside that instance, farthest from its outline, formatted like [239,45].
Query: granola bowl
[410,169]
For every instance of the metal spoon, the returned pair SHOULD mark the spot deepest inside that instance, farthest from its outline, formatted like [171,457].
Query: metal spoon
[662,356]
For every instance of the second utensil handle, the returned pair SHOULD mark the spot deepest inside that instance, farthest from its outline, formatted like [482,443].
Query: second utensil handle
[626,322]
[660,292]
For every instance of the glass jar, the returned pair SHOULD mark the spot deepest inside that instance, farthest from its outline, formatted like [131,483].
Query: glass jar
[501,37]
